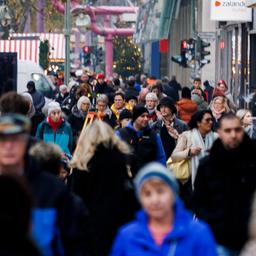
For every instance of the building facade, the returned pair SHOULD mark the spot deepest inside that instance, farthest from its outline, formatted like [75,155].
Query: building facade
[232,47]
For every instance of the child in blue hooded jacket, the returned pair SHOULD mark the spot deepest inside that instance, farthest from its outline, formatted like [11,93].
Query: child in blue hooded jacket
[163,227]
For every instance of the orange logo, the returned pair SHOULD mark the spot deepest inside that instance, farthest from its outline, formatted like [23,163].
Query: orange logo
[217,3]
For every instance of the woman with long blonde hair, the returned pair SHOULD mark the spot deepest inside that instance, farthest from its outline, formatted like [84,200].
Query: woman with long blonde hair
[99,177]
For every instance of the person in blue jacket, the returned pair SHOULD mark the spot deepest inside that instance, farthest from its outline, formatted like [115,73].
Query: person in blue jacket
[56,130]
[145,143]
[163,227]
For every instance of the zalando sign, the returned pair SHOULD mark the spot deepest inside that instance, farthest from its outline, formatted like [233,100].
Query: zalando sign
[230,10]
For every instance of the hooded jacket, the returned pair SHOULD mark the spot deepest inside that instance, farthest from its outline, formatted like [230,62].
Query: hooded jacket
[223,191]
[38,98]
[188,237]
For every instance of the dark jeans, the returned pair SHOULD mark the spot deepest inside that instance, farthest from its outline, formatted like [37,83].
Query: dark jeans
[186,194]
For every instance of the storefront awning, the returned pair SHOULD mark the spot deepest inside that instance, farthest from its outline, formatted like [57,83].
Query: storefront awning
[154,20]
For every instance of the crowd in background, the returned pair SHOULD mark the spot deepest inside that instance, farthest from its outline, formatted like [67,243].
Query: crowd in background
[83,164]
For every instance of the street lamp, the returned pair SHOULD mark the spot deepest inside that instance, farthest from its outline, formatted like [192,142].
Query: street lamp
[67,42]
[83,22]
[5,17]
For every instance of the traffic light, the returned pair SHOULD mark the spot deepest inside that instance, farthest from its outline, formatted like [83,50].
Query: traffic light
[201,45]
[87,55]
[100,55]
[190,53]
[181,59]
[86,49]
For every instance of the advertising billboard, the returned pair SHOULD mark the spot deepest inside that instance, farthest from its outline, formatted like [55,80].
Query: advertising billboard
[230,10]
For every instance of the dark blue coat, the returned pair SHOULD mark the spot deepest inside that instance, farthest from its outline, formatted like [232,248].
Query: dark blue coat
[188,237]
[160,154]
[38,100]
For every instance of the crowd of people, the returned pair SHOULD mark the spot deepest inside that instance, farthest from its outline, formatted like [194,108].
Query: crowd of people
[135,168]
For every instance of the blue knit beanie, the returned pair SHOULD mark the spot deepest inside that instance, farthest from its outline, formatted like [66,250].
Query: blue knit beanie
[155,170]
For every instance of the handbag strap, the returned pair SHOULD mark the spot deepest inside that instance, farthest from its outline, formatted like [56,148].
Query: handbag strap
[172,249]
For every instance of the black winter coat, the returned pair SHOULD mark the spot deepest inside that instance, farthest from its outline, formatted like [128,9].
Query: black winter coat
[36,119]
[50,193]
[13,246]
[76,120]
[169,143]
[131,92]
[223,191]
[102,189]
[110,120]
[38,99]
[177,87]
[60,98]
[105,89]
[170,92]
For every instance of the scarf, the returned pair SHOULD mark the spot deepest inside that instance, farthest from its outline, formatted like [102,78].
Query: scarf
[53,124]
[151,111]
[217,114]
[205,145]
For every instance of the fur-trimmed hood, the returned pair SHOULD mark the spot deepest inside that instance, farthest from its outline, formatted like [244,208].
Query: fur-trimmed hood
[78,113]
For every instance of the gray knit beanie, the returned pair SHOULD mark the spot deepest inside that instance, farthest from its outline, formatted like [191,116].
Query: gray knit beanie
[53,106]
[155,170]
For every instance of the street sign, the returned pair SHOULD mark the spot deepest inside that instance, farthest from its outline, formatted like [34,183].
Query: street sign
[209,36]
